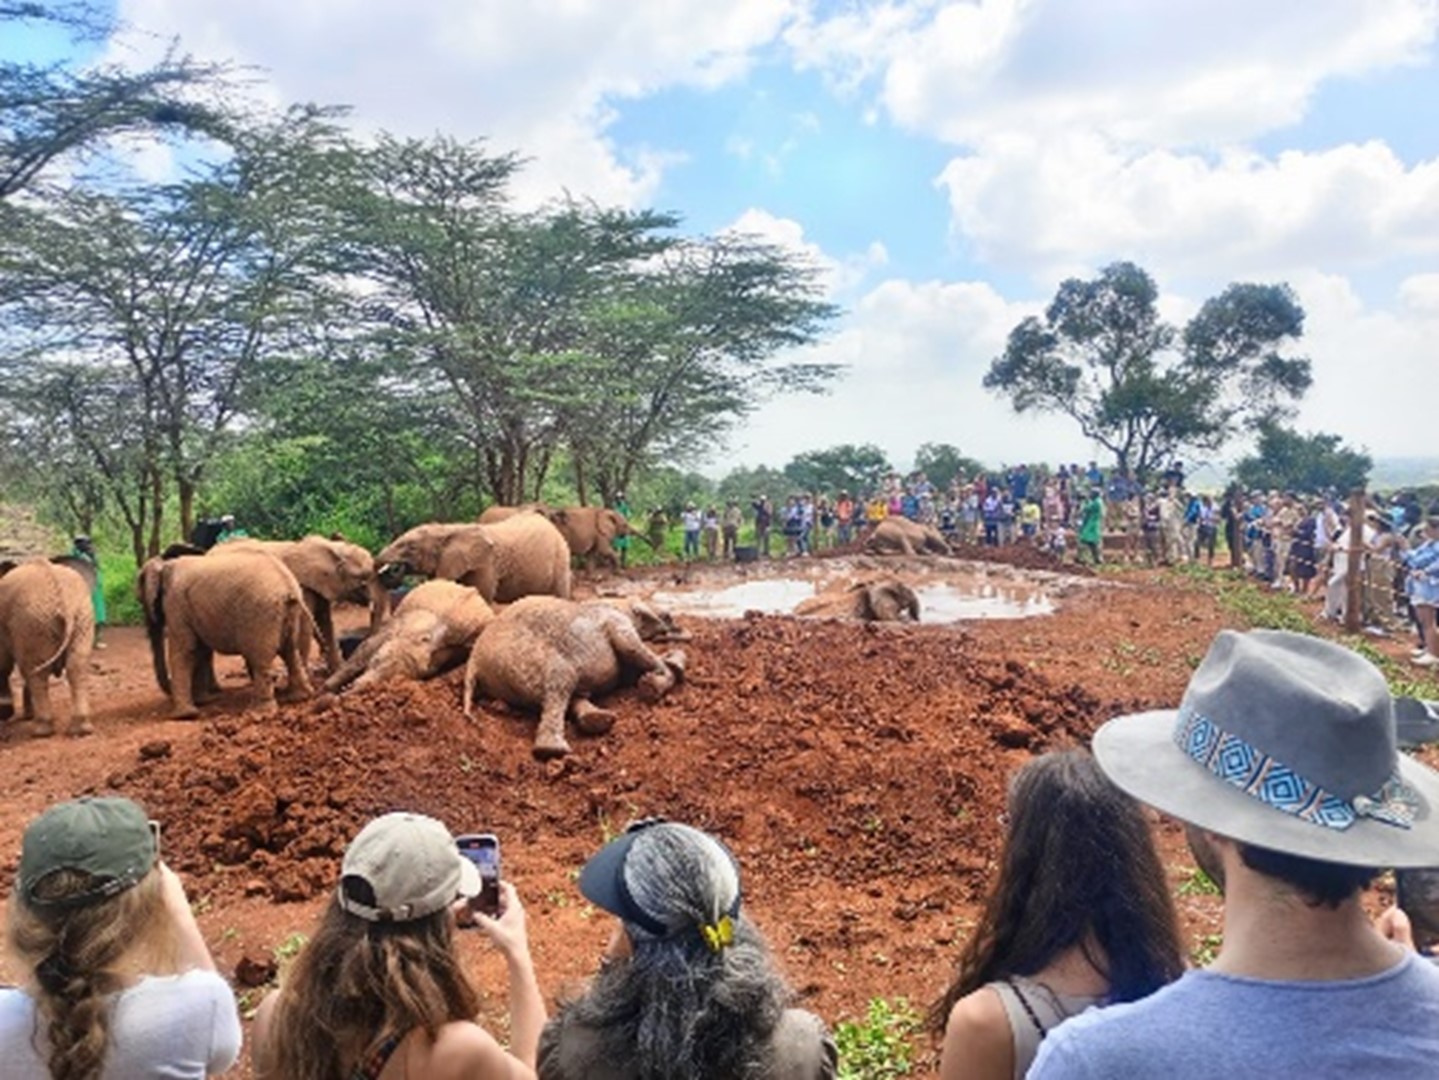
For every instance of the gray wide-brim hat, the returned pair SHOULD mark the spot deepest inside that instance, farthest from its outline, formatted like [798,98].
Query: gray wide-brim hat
[1286,742]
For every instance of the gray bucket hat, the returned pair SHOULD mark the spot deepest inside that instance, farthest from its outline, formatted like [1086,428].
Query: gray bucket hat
[1287,742]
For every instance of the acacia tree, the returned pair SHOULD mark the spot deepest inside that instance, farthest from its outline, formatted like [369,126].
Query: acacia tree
[171,296]
[49,111]
[1137,385]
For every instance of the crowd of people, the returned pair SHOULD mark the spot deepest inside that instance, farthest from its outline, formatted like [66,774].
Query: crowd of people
[1280,760]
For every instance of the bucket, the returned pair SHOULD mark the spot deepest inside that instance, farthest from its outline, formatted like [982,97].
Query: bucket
[746,554]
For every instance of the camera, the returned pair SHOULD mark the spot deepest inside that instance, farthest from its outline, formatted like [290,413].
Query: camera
[483,849]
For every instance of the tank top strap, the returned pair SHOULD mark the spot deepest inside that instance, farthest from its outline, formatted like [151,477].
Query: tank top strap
[1033,1011]
[379,1056]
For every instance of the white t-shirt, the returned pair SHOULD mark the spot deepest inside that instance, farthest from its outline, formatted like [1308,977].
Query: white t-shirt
[174,1027]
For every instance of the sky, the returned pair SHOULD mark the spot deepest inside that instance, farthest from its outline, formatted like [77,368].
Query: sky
[948,163]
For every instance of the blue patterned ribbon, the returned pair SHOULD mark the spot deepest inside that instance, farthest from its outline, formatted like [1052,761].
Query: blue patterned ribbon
[1257,774]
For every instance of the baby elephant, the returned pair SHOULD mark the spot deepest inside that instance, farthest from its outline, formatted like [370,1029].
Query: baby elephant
[554,655]
[883,600]
[432,630]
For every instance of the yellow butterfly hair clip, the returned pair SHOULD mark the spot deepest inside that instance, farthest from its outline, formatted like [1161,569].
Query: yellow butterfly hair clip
[719,935]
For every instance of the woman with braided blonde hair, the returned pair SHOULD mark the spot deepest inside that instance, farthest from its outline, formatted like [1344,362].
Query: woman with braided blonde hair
[687,989]
[118,981]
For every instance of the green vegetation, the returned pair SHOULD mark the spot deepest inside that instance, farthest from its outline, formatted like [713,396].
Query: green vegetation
[881,1045]
[1140,387]
[1206,949]
[1198,883]
[1285,460]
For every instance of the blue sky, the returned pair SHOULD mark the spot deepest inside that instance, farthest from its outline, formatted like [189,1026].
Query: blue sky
[947,161]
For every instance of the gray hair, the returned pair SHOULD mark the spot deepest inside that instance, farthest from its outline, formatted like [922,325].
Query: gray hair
[678,1009]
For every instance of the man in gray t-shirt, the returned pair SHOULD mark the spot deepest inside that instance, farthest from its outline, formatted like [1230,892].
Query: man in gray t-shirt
[1281,761]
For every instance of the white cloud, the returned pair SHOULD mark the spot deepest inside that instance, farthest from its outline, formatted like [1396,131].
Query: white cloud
[1420,294]
[840,276]
[1052,203]
[537,77]
[1135,70]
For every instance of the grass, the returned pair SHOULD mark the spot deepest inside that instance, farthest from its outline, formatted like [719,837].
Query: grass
[880,1045]
[1256,606]
[1206,949]
[1197,883]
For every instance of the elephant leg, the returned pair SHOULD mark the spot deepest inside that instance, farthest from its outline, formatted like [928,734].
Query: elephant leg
[185,655]
[262,681]
[590,718]
[204,686]
[7,702]
[37,696]
[77,674]
[297,686]
[634,653]
[554,705]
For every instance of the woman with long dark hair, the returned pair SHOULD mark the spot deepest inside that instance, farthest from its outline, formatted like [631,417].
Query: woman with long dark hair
[118,981]
[687,990]
[379,993]
[1079,915]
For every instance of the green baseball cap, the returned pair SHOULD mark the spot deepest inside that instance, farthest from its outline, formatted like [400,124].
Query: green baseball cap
[107,838]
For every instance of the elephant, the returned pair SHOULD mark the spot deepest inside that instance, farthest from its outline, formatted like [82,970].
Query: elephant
[590,531]
[432,630]
[239,602]
[47,627]
[900,536]
[524,555]
[328,570]
[553,655]
[882,600]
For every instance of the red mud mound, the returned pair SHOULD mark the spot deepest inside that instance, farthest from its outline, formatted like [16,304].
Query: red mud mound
[831,756]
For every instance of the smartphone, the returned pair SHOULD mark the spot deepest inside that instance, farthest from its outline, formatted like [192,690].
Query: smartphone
[483,849]
[1417,892]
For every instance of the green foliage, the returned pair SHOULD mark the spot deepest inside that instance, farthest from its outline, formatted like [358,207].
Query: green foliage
[1135,384]
[879,1046]
[941,463]
[1285,460]
[845,467]
[1198,883]
[1206,949]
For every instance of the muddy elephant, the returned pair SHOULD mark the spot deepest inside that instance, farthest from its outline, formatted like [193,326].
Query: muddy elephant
[883,600]
[900,536]
[522,556]
[590,531]
[432,630]
[237,602]
[47,627]
[328,571]
[554,655]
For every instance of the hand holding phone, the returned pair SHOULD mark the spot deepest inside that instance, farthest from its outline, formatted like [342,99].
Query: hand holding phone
[483,849]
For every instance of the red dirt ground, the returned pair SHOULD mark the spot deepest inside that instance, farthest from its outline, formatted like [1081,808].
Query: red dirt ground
[857,771]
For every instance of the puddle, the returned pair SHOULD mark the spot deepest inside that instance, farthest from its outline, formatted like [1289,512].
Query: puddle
[939,602]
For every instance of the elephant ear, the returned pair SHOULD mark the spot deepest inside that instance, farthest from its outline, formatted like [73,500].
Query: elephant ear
[7,565]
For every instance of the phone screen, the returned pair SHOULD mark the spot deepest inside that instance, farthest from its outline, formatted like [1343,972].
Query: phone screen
[483,849]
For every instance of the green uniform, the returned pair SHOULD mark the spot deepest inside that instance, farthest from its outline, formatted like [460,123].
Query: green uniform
[1089,529]
[97,593]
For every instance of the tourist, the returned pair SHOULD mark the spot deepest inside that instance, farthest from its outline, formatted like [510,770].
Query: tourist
[83,548]
[116,980]
[844,510]
[730,526]
[793,526]
[1281,761]
[621,542]
[763,517]
[969,515]
[687,989]
[1422,562]
[1007,514]
[657,530]
[710,531]
[1060,930]
[1029,518]
[989,510]
[1206,530]
[875,511]
[691,521]
[378,991]
[1303,552]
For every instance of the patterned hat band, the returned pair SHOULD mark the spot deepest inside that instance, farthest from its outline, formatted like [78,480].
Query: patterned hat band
[1271,782]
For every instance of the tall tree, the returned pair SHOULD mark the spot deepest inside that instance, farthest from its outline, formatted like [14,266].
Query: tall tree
[941,463]
[1286,460]
[51,111]
[1139,387]
[848,467]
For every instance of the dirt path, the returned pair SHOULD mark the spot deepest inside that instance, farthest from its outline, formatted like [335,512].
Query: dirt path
[857,771]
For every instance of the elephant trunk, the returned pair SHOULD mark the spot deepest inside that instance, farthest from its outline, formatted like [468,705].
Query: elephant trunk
[379,603]
[355,666]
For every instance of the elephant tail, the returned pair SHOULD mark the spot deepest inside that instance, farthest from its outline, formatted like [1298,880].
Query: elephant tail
[64,616]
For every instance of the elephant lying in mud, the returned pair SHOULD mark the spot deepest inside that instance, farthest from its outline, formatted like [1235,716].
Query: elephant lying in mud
[237,602]
[590,531]
[522,556]
[884,600]
[328,571]
[432,630]
[47,627]
[554,655]
[900,536]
